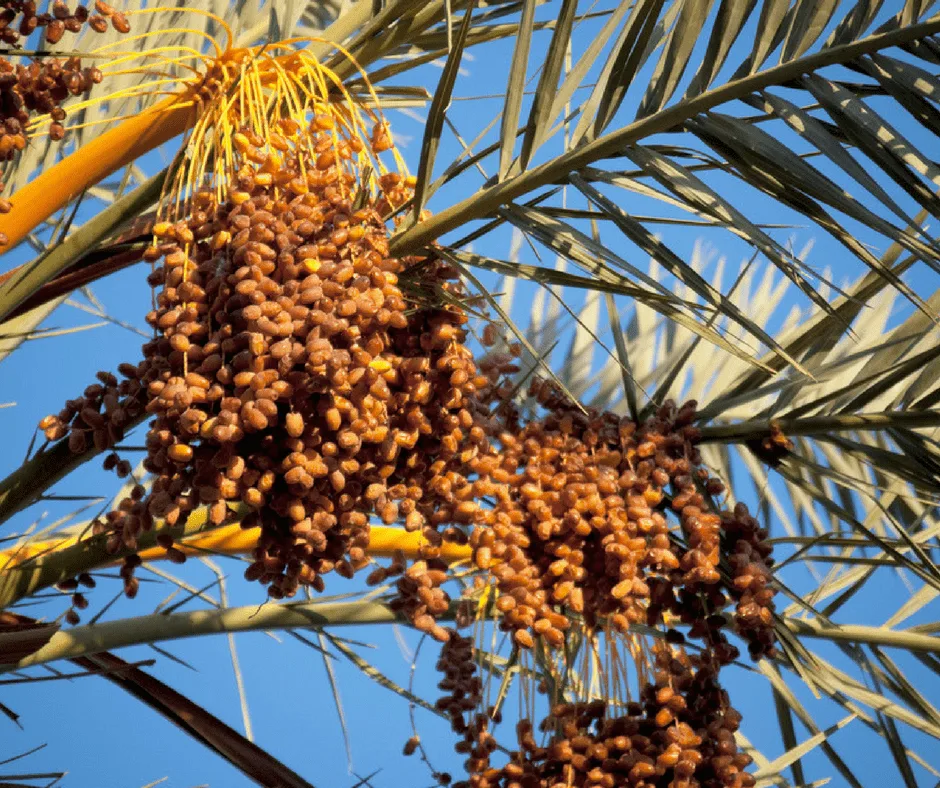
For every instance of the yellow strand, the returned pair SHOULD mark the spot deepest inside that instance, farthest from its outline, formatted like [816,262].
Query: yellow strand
[321,72]
[325,106]
[253,99]
[318,72]
[295,78]
[345,52]
[259,87]
[173,191]
[297,111]
[200,147]
[608,677]
[399,161]
[228,154]
[613,667]
[230,39]
[279,98]
[199,154]
[177,184]
[129,57]
[487,684]
[241,94]
[298,90]
[526,690]
[578,674]
[221,137]
[151,33]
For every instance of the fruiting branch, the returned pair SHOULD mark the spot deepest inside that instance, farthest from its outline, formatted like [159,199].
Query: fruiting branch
[33,566]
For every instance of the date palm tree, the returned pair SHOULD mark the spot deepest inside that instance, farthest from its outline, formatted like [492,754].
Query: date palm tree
[618,127]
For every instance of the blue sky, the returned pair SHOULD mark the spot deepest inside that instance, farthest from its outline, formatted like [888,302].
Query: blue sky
[104,739]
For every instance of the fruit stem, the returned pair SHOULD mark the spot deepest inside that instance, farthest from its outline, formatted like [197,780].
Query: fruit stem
[384,542]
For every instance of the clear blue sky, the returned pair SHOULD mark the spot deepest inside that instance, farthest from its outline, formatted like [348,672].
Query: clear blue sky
[104,739]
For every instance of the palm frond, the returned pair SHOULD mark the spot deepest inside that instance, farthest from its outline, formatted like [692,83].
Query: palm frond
[844,128]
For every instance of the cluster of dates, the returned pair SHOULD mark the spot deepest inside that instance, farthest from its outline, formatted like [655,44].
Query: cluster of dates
[680,734]
[288,376]
[595,523]
[304,381]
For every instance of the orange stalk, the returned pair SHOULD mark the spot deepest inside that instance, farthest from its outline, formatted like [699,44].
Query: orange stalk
[234,540]
[57,186]
[134,136]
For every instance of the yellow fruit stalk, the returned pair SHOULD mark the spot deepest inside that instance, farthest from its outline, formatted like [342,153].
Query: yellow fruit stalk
[384,542]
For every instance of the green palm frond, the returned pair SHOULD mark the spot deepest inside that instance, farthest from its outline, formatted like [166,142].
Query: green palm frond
[654,81]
